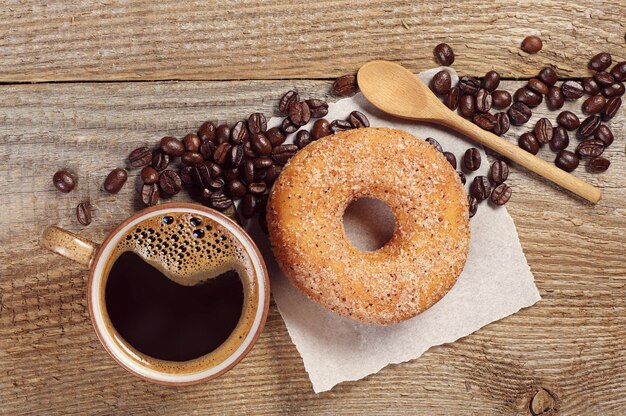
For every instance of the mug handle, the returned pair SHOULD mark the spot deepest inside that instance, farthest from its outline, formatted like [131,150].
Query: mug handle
[69,245]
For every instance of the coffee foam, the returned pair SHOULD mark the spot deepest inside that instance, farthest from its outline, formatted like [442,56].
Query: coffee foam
[188,249]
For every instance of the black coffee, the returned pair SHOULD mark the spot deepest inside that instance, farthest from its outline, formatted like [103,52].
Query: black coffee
[166,320]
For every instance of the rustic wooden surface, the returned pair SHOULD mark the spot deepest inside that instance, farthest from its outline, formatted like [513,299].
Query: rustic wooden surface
[570,347]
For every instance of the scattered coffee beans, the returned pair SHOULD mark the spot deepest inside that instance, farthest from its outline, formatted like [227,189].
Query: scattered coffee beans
[64,181]
[600,62]
[303,138]
[543,131]
[434,143]
[519,113]
[345,86]
[160,160]
[321,128]
[471,159]
[140,157]
[485,121]
[568,120]
[172,146]
[572,90]
[150,194]
[340,125]
[472,205]
[444,55]
[598,164]
[590,148]
[318,108]
[150,175]
[83,213]
[555,98]
[566,160]
[527,96]
[503,123]
[469,85]
[499,171]
[594,104]
[222,134]
[501,194]
[589,126]
[287,99]
[275,136]
[257,123]
[491,81]
[441,82]
[192,142]
[501,99]
[480,188]
[619,71]
[590,86]
[610,108]
[528,142]
[548,76]
[605,134]
[207,131]
[614,90]
[560,139]
[452,99]
[358,120]
[451,159]
[115,180]
[299,113]
[483,101]
[532,44]
[538,86]
[239,134]
[604,79]
[170,182]
[466,106]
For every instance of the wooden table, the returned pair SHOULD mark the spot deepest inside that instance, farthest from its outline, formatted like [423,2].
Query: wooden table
[85,84]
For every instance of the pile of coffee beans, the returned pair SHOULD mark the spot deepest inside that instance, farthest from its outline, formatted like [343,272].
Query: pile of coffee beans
[476,98]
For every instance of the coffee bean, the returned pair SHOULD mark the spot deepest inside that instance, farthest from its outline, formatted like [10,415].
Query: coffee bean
[466,106]
[598,164]
[231,174]
[216,184]
[185,174]
[441,82]
[614,90]
[491,81]
[220,155]
[192,142]
[560,139]
[555,98]
[257,123]
[503,123]
[340,125]
[286,100]
[172,146]
[501,99]
[222,134]
[247,174]
[206,149]
[220,201]
[321,128]
[248,206]
[528,97]
[480,188]
[589,126]
[568,120]
[619,71]
[519,113]
[472,205]
[600,62]
[358,120]
[566,160]
[499,171]
[272,174]
[590,86]
[590,148]
[548,76]
[605,134]
[170,182]
[603,78]
[215,170]
[261,145]
[201,175]
[318,108]
[543,131]
[191,158]
[572,90]
[451,159]
[469,85]
[262,162]
[528,142]
[303,138]
[281,154]
[444,55]
[236,188]
[235,157]
[501,194]
[485,121]
[611,107]
[205,194]
[532,44]
[288,127]
[160,160]
[483,101]
[471,159]
[257,188]
[83,213]
[462,177]
[345,86]
[207,131]
[434,143]
[115,180]
[140,157]
[452,99]
[594,104]
[150,194]
[275,136]
[239,134]
[538,86]
[149,175]
[64,180]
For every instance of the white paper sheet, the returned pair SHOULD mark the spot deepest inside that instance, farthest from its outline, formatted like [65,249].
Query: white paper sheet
[496,281]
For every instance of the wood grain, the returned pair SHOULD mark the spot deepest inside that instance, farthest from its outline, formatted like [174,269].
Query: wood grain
[571,344]
[64,40]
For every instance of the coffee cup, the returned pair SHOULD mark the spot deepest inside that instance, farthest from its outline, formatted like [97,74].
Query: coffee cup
[178,293]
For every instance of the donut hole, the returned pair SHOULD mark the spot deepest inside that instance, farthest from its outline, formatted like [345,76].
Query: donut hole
[368,223]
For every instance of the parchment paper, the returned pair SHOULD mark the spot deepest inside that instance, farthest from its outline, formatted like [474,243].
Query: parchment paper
[496,281]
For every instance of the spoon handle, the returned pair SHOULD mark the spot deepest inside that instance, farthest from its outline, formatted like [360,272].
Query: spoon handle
[521,157]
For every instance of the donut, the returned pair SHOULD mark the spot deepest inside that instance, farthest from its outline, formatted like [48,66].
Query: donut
[428,248]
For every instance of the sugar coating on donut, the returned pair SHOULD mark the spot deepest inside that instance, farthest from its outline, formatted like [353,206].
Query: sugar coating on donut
[415,268]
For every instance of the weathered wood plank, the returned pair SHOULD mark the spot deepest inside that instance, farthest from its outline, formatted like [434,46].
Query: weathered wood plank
[216,40]
[571,342]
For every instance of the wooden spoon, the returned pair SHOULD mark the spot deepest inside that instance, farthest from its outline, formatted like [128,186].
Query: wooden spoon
[397,91]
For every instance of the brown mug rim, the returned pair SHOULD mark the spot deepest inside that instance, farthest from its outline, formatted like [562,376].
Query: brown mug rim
[174,205]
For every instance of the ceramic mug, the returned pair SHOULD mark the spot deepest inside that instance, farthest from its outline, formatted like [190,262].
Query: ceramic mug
[98,258]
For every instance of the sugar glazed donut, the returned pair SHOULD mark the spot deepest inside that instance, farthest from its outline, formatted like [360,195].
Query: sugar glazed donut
[415,268]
